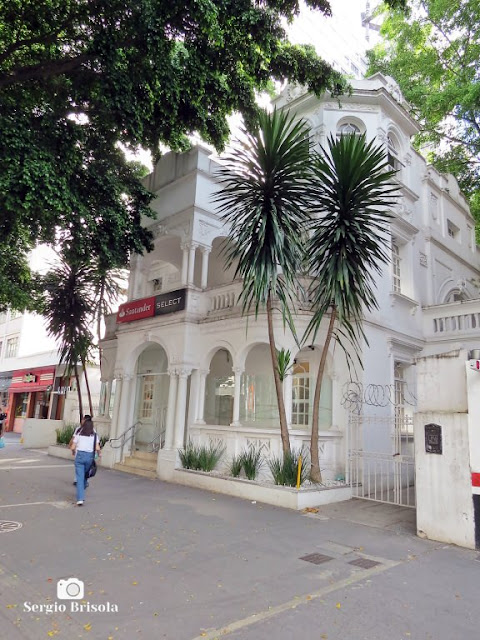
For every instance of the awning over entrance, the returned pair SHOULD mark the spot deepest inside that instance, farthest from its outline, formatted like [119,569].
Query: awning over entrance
[5,380]
[39,379]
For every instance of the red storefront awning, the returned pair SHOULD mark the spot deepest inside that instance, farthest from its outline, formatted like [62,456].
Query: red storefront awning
[38,379]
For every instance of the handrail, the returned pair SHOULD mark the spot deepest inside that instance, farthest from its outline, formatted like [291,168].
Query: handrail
[156,444]
[124,439]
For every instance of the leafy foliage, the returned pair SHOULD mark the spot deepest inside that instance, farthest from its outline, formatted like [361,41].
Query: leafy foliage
[78,78]
[433,54]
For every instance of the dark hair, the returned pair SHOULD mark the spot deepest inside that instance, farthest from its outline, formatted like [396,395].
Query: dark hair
[87,428]
[87,416]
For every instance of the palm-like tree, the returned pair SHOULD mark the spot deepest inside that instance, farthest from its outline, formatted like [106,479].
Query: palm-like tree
[68,312]
[265,199]
[347,246]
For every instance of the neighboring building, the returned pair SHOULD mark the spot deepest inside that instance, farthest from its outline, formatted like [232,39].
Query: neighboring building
[180,361]
[32,384]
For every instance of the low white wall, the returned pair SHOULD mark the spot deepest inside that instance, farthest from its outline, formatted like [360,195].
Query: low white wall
[40,433]
[443,481]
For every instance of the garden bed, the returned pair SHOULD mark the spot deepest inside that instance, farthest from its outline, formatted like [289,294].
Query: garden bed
[269,493]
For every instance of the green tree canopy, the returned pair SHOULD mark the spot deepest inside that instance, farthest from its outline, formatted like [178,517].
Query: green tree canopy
[79,77]
[433,52]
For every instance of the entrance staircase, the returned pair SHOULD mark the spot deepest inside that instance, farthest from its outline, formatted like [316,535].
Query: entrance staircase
[140,463]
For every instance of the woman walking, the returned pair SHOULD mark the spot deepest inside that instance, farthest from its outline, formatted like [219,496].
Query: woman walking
[85,444]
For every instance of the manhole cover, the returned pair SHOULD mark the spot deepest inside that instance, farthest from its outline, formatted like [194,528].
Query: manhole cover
[316,558]
[9,525]
[364,563]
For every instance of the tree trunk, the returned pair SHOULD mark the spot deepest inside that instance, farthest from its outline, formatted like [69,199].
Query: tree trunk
[315,473]
[278,383]
[79,391]
[87,384]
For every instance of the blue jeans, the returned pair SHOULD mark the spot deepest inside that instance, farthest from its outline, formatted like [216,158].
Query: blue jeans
[83,462]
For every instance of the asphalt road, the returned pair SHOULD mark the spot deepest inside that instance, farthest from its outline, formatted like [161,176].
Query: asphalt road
[159,560]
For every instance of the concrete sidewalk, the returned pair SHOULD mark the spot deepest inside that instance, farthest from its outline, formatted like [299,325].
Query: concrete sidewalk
[178,563]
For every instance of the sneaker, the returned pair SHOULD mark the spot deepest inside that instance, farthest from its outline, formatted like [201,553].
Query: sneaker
[74,483]
[79,503]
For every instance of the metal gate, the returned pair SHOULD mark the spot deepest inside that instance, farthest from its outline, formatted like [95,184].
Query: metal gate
[382,476]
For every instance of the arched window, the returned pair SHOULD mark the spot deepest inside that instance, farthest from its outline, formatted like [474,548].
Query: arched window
[393,153]
[348,129]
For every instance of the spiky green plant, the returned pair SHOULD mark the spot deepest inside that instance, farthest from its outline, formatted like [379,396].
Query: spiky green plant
[347,247]
[65,433]
[265,200]
[284,469]
[210,455]
[201,457]
[252,462]
[235,467]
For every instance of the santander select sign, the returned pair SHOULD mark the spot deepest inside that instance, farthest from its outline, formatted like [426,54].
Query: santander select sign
[153,306]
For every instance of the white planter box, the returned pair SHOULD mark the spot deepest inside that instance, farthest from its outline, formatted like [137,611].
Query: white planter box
[60,451]
[287,497]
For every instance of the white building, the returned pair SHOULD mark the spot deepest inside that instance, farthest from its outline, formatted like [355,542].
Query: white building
[181,362]
[32,382]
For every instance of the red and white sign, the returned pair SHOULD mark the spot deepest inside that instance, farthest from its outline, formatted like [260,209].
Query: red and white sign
[475,479]
[475,364]
[136,310]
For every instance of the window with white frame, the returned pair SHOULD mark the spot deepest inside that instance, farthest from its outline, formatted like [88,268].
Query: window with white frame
[12,347]
[396,270]
[403,400]
[393,153]
[453,231]
[301,394]
[146,397]
[348,129]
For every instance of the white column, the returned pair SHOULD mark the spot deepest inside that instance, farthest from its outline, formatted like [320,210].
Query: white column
[181,408]
[205,254]
[288,397]
[184,263]
[116,428]
[199,418]
[191,263]
[170,420]
[236,398]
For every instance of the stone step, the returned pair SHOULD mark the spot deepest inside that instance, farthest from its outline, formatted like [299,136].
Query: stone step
[137,471]
[140,463]
[145,455]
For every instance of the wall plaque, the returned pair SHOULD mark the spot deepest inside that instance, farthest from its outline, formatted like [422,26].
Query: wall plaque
[433,438]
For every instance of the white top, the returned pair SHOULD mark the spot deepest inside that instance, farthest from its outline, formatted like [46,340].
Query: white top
[84,443]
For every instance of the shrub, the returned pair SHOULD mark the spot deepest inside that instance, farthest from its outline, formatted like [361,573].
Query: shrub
[252,461]
[64,435]
[201,457]
[284,470]
[236,465]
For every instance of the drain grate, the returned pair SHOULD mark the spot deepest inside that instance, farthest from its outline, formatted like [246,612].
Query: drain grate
[316,558]
[9,525]
[364,563]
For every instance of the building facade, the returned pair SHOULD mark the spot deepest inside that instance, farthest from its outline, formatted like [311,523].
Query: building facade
[181,362]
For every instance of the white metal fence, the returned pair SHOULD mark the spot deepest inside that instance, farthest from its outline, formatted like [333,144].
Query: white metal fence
[382,476]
